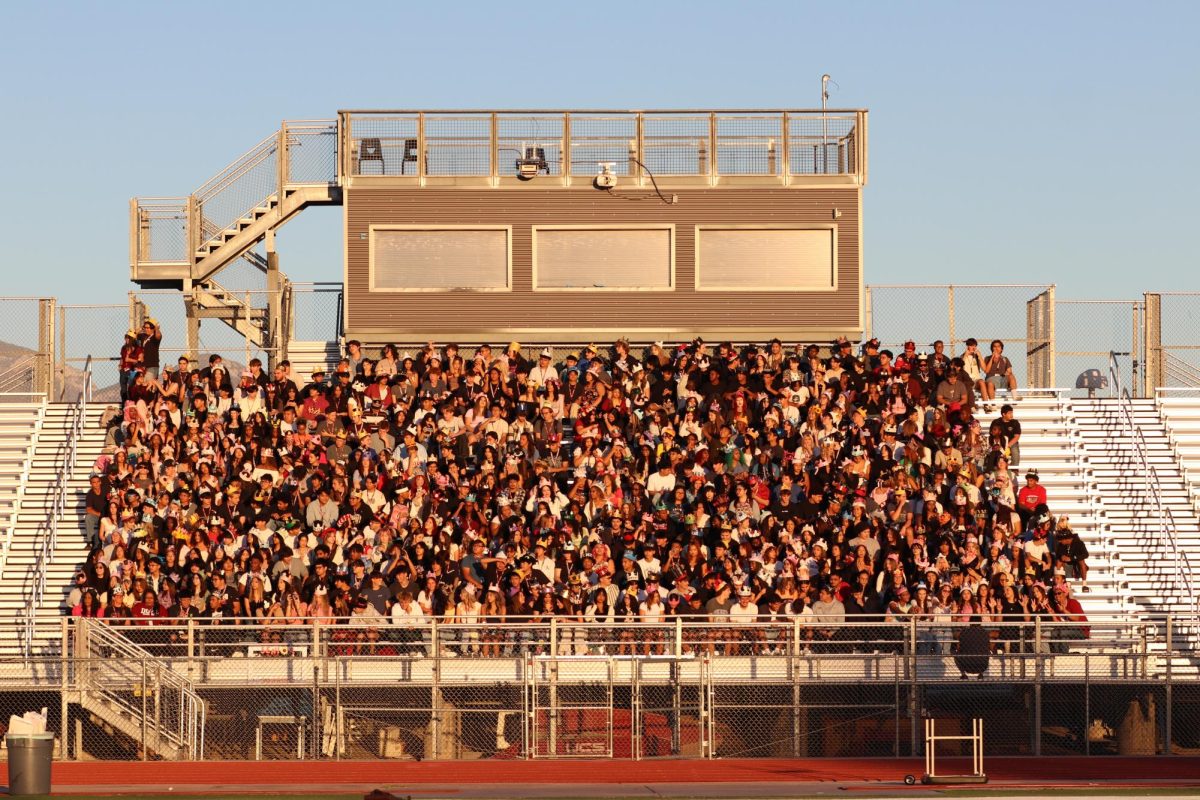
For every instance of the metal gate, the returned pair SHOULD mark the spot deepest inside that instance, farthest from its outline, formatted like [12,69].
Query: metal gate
[1039,340]
[570,708]
[670,702]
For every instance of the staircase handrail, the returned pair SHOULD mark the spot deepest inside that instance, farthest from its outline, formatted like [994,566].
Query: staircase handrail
[1152,487]
[58,508]
[19,497]
[113,665]
[1182,371]
[19,372]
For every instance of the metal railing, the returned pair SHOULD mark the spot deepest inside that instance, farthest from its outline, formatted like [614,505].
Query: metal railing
[1152,489]
[19,495]
[130,680]
[172,230]
[36,583]
[202,640]
[559,688]
[559,144]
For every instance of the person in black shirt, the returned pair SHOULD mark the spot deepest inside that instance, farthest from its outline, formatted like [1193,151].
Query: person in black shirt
[150,339]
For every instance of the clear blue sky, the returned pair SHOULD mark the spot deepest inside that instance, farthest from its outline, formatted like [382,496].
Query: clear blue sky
[1015,141]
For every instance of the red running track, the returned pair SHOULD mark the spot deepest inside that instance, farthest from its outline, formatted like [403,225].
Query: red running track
[277,775]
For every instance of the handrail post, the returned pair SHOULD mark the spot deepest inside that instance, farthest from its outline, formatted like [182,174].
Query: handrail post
[281,160]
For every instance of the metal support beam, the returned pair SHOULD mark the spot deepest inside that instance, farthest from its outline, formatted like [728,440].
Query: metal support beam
[1152,374]
[276,335]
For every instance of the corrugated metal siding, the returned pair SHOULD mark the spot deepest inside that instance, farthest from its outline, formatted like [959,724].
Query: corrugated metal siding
[681,309]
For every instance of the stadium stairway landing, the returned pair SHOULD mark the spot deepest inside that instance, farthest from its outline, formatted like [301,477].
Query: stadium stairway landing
[32,518]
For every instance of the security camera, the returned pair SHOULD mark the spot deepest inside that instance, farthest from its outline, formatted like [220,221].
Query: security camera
[607,179]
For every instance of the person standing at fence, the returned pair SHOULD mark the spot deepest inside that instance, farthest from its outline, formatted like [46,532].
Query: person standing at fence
[130,361]
[150,339]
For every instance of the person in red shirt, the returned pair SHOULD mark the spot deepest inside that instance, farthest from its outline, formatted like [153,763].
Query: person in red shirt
[1031,495]
[145,612]
[132,356]
[1064,608]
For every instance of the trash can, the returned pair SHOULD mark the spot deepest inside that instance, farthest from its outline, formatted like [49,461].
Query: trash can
[29,757]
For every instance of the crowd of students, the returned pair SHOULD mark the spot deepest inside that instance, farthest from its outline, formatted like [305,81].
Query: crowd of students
[798,488]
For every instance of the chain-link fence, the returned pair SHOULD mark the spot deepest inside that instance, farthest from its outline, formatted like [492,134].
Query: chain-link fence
[26,347]
[542,690]
[951,314]
[1178,345]
[1086,331]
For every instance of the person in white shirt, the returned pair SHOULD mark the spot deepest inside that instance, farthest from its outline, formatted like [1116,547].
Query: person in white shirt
[649,563]
[744,612]
[409,617]
[662,481]
[543,373]
[542,562]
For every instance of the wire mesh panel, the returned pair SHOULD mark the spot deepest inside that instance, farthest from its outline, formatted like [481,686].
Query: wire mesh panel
[97,331]
[161,230]
[244,185]
[458,144]
[822,144]
[316,312]
[312,152]
[571,711]
[951,314]
[24,352]
[603,139]
[667,699]
[1086,331]
[750,144]
[1179,314]
[677,144]
[384,144]
[535,139]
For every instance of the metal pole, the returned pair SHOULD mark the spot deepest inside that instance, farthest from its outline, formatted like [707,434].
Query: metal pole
[677,707]
[315,748]
[145,714]
[896,702]
[64,667]
[1168,693]
[824,124]
[914,705]
[435,700]
[1087,702]
[950,313]
[337,705]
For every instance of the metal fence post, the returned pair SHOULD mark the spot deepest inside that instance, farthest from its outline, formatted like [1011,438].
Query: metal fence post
[315,747]
[435,702]
[1038,672]
[1152,366]
[337,710]
[1168,692]
[1051,310]
[64,669]
[145,714]
[950,316]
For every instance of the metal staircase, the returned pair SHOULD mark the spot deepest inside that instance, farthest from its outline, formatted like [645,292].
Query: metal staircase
[185,242]
[1051,443]
[48,544]
[19,425]
[1146,501]
[125,690]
